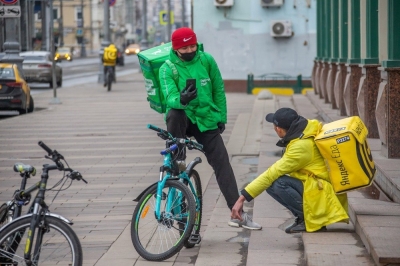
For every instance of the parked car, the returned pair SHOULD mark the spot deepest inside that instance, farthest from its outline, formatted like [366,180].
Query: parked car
[133,48]
[63,53]
[120,57]
[37,67]
[15,94]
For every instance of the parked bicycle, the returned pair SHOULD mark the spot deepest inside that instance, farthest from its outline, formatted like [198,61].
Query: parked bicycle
[41,237]
[168,214]
[109,77]
[13,208]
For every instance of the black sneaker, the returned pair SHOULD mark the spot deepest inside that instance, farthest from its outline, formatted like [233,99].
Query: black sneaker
[300,227]
[297,220]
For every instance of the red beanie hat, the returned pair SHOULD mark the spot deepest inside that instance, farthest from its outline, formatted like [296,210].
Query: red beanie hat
[183,37]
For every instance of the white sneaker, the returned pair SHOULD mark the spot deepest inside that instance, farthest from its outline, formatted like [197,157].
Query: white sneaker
[246,222]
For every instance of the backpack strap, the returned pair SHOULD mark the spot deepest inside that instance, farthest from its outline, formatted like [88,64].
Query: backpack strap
[204,62]
[175,74]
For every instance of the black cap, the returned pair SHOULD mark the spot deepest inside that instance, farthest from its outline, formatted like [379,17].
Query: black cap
[282,118]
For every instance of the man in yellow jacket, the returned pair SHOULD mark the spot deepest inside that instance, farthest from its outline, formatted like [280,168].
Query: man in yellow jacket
[109,60]
[299,180]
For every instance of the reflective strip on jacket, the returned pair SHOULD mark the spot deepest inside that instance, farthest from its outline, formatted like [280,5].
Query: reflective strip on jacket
[209,107]
[302,160]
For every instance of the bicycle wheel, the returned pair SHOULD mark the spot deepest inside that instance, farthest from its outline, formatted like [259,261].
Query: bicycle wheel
[109,80]
[158,240]
[59,244]
[196,182]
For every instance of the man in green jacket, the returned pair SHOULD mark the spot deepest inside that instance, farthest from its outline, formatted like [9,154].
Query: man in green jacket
[199,110]
[299,180]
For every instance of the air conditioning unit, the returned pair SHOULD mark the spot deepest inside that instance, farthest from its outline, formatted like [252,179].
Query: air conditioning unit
[271,3]
[281,28]
[218,3]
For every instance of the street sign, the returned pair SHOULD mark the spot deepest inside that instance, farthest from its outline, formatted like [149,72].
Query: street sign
[111,2]
[9,2]
[79,32]
[164,19]
[10,11]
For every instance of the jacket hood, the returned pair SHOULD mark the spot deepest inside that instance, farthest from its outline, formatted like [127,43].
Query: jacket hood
[300,128]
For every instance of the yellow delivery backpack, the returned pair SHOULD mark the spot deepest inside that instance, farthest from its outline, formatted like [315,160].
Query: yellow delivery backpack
[343,144]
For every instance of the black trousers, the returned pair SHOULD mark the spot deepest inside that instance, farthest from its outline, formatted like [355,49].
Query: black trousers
[213,145]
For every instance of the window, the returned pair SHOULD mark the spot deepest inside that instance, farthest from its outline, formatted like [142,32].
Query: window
[78,13]
[40,14]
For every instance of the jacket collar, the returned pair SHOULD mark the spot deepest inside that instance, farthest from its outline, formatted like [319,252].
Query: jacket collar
[295,131]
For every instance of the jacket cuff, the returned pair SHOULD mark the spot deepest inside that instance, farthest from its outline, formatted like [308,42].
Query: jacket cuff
[247,196]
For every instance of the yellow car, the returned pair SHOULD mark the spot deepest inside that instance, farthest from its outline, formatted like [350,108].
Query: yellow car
[15,94]
[63,53]
[132,49]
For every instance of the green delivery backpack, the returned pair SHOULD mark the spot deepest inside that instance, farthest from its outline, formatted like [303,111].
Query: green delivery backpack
[150,61]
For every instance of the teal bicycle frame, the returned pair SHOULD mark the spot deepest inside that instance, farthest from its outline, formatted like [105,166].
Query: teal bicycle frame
[183,176]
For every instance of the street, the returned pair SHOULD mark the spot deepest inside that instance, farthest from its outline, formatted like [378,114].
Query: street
[85,70]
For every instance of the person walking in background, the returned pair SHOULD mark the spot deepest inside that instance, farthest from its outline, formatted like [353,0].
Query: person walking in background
[198,109]
[299,180]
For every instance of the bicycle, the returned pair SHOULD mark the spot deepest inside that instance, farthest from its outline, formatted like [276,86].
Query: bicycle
[41,237]
[175,202]
[13,208]
[109,77]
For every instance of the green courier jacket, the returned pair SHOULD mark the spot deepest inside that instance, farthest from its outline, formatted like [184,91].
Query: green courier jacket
[209,107]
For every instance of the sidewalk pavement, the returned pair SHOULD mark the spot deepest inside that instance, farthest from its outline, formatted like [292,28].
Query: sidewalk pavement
[104,136]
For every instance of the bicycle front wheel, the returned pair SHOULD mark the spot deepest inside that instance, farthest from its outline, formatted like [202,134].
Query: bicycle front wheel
[59,244]
[159,239]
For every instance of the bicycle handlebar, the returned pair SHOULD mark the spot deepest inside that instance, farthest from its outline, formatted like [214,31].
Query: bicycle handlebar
[44,146]
[166,135]
[57,157]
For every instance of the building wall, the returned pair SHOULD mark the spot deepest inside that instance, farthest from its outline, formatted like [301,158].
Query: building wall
[240,41]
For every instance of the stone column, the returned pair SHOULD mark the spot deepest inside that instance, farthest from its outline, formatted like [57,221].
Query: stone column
[323,81]
[367,97]
[351,89]
[340,81]
[353,69]
[388,103]
[388,111]
[317,77]
[341,70]
[330,84]
[334,54]
[313,83]
[370,79]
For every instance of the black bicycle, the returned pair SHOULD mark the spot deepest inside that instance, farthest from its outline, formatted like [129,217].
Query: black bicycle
[41,237]
[109,77]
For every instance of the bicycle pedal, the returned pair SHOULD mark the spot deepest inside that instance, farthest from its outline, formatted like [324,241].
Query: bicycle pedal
[194,239]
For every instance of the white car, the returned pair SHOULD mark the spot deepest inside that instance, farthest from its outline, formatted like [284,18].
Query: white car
[37,67]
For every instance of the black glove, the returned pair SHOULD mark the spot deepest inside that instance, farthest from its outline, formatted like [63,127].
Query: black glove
[188,94]
[221,127]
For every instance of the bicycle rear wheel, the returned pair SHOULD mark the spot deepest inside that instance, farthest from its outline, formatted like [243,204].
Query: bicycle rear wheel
[196,182]
[158,240]
[3,214]
[109,80]
[59,244]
